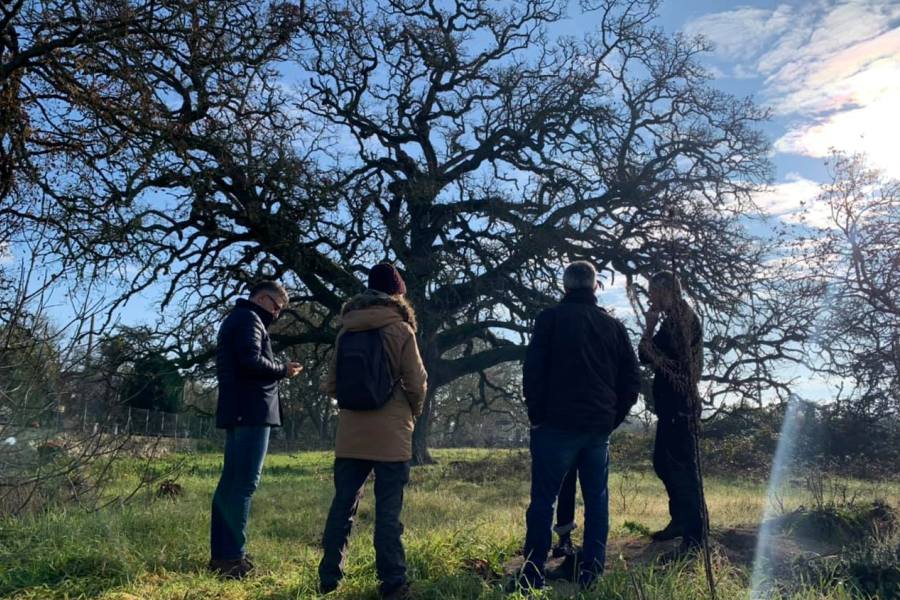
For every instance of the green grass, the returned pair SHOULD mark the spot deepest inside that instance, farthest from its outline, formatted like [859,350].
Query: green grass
[469,506]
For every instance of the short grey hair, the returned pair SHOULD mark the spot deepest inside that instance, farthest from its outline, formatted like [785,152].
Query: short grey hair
[270,287]
[668,281]
[580,275]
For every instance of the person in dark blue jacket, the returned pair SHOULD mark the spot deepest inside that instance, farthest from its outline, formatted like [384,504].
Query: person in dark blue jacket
[248,407]
[580,379]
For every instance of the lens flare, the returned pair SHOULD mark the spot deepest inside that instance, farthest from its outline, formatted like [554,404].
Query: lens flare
[761,583]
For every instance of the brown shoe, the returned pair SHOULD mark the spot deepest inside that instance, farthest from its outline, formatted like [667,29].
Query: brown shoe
[237,568]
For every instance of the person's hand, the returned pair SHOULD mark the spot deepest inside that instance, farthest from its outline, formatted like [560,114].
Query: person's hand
[293,369]
[646,344]
[652,318]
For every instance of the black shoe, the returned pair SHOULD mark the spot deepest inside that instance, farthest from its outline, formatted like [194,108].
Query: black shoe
[237,568]
[567,569]
[669,532]
[326,588]
[564,546]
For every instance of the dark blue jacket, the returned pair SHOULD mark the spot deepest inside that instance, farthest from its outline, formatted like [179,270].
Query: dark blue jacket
[580,372]
[246,368]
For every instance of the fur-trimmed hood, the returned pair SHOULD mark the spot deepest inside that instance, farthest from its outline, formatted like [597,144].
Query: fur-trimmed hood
[373,310]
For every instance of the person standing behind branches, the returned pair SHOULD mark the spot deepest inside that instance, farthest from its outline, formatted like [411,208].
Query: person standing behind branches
[380,383]
[248,407]
[580,379]
[675,352]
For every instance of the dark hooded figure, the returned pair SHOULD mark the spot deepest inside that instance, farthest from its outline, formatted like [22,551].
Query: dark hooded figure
[675,351]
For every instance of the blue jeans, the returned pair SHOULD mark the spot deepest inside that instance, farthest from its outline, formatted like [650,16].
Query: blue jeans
[245,449]
[553,454]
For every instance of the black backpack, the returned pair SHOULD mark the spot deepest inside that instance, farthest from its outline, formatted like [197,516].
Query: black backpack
[364,380]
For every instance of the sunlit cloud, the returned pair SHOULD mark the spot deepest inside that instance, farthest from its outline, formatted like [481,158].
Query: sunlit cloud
[794,201]
[832,68]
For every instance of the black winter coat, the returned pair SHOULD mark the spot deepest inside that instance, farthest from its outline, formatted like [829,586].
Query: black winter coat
[581,372]
[669,340]
[246,368]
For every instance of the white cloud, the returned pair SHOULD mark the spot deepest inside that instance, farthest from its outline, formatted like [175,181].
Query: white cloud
[740,35]
[793,201]
[833,66]
[850,77]
[6,256]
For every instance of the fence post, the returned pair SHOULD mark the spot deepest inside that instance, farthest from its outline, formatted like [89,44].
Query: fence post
[162,423]
[147,423]
[176,426]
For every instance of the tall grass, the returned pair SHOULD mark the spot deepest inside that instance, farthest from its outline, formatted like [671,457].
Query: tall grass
[467,509]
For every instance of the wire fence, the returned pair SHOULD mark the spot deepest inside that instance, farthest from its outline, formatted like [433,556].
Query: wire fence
[128,420]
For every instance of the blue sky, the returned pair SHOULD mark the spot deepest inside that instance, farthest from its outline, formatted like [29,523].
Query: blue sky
[829,70]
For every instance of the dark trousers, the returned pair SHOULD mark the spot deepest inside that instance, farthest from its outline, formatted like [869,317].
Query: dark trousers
[245,450]
[554,453]
[675,463]
[565,504]
[350,475]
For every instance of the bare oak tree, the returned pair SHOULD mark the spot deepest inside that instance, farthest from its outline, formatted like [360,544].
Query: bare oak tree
[219,142]
[857,257]
[485,152]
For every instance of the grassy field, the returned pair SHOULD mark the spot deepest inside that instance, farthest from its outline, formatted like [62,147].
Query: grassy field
[464,518]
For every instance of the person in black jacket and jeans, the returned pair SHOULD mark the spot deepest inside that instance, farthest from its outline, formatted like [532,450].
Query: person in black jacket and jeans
[675,352]
[580,380]
[248,407]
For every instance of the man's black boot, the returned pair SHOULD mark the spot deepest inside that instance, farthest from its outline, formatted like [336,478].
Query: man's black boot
[669,532]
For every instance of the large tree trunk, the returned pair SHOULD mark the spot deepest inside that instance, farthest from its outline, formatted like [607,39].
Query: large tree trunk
[421,455]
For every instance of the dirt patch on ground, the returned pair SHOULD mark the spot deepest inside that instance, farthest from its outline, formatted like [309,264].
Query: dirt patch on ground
[796,538]
[735,546]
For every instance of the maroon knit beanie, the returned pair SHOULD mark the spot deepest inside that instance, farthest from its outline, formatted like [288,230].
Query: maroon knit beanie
[385,278]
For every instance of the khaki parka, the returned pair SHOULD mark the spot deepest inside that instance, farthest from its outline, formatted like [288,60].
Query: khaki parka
[384,434]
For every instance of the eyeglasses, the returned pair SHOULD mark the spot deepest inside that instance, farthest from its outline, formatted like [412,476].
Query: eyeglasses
[277,306]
